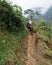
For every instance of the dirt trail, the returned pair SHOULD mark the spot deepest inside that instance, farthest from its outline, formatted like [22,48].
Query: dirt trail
[31,51]
[34,52]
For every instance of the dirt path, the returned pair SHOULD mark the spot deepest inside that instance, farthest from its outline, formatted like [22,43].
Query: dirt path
[31,51]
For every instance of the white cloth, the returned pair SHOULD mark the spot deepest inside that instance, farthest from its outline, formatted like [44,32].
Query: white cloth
[30,22]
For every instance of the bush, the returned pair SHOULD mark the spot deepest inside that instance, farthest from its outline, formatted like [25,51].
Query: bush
[11,17]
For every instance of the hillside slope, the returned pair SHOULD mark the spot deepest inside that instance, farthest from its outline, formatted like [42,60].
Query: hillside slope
[9,43]
[30,49]
[48,15]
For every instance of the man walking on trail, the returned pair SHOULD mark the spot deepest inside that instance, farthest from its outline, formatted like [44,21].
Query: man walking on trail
[30,27]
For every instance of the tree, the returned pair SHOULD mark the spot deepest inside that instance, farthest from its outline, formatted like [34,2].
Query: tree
[11,17]
[32,12]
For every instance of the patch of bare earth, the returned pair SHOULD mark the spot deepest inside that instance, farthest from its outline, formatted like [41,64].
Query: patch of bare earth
[9,63]
[21,53]
[31,51]
[35,53]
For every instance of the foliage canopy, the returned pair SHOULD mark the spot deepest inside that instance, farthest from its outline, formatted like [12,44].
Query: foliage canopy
[11,17]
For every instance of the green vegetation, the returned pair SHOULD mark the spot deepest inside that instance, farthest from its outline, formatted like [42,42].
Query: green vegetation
[45,34]
[12,31]
[11,17]
[8,44]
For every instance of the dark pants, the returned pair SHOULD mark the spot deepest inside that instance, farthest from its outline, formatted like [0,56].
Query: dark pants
[30,28]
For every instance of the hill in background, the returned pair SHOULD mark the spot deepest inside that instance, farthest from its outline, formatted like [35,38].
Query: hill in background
[48,15]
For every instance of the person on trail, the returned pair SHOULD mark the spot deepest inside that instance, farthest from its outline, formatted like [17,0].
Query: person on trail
[30,27]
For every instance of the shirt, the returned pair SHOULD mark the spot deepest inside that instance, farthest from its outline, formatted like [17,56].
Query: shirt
[30,22]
